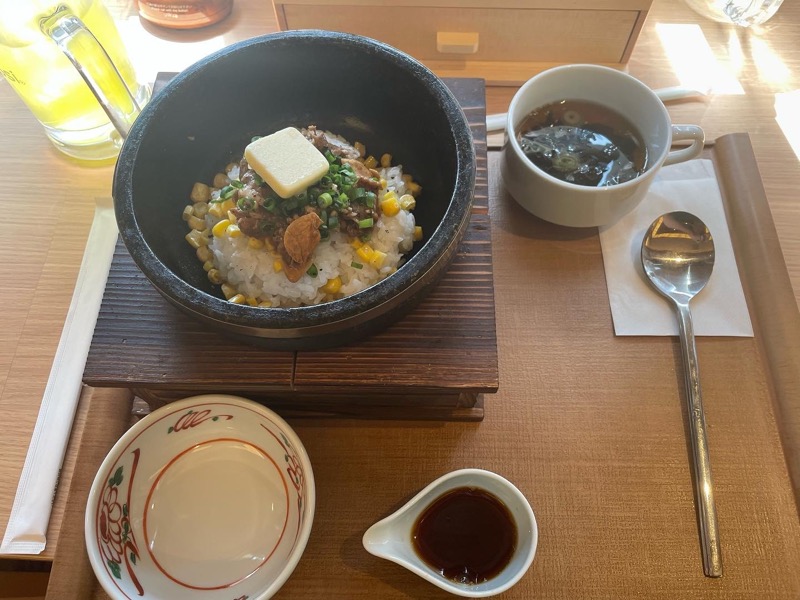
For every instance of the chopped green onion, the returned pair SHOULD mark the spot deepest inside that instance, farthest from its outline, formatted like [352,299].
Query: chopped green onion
[257,178]
[269,204]
[312,270]
[246,203]
[356,265]
[333,222]
[237,184]
[369,199]
[326,181]
[330,156]
[323,214]
[324,200]
[360,192]
[343,199]
[227,192]
[365,223]
[334,168]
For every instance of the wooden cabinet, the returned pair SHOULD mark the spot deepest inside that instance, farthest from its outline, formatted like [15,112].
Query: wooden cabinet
[503,42]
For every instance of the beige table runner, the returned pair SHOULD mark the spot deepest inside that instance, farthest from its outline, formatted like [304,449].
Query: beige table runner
[590,427]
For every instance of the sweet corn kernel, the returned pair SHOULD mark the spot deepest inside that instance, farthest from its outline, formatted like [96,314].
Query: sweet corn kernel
[365,252]
[389,194]
[417,233]
[390,207]
[204,253]
[198,224]
[233,231]
[214,276]
[384,183]
[208,265]
[414,188]
[221,208]
[228,291]
[200,209]
[215,210]
[196,238]
[251,301]
[221,180]
[370,162]
[238,299]
[255,243]
[188,212]
[333,285]
[200,192]
[377,258]
[386,161]
[356,243]
[362,149]
[231,217]
[277,265]
[407,202]
[406,178]
[219,229]
[265,304]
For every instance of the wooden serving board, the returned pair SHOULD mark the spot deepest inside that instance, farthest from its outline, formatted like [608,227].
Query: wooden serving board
[436,363]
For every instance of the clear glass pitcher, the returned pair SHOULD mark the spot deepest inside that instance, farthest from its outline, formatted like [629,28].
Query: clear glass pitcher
[68,64]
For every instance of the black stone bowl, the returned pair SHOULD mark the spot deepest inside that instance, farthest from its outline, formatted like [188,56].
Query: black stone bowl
[353,86]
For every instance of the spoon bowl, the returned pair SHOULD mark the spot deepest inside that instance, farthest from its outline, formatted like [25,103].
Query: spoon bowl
[391,538]
[678,258]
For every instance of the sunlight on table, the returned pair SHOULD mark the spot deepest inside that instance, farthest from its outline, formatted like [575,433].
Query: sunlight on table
[771,69]
[151,54]
[787,115]
[693,60]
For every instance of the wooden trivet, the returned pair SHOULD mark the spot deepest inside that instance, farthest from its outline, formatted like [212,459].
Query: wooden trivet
[435,363]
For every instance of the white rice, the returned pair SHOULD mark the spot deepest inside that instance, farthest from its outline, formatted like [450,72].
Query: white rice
[252,273]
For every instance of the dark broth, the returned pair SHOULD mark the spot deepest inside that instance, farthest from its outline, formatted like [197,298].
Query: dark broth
[468,535]
[583,142]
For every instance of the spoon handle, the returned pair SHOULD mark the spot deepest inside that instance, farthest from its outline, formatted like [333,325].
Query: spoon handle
[704,491]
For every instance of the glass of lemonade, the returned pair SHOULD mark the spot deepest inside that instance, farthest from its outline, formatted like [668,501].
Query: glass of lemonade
[67,62]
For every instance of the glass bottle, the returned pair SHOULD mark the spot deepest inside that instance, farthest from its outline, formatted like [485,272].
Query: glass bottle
[184,14]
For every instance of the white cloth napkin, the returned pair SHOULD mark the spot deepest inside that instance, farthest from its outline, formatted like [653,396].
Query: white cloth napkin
[27,527]
[637,308]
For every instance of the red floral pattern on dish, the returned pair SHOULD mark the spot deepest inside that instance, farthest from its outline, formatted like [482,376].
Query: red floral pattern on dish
[114,535]
[194,418]
[294,470]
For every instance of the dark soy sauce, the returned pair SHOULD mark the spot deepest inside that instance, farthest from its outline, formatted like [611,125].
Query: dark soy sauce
[468,535]
[583,143]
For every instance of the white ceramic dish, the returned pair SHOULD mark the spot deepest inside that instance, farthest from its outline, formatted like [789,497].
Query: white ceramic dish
[391,538]
[209,497]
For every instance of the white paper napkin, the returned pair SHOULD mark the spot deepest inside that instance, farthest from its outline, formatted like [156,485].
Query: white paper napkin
[30,514]
[637,308]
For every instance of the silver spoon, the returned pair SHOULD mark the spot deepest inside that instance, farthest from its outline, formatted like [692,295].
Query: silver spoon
[678,257]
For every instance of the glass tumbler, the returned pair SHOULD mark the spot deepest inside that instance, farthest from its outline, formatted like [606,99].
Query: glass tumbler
[744,13]
[66,60]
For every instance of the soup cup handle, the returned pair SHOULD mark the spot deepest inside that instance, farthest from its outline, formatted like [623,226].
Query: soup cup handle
[685,132]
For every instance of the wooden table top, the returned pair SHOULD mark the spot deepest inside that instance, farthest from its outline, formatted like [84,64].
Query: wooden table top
[756,74]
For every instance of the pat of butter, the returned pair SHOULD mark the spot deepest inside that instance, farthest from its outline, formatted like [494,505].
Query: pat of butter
[286,161]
